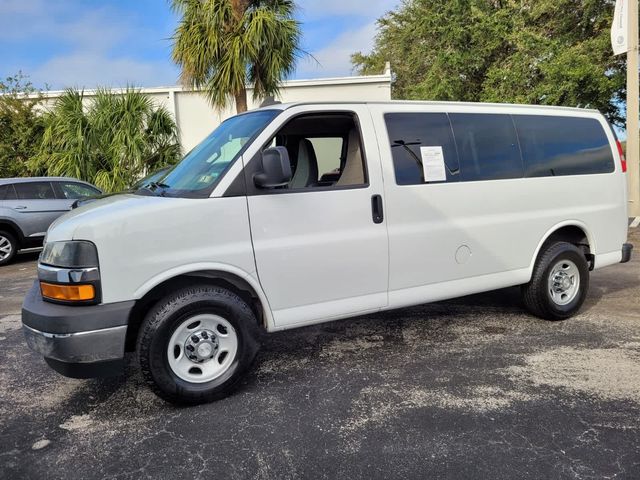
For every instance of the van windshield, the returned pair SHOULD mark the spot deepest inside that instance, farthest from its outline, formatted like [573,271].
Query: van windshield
[199,171]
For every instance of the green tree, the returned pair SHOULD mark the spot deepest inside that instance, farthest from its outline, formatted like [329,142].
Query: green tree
[111,140]
[221,45]
[554,52]
[21,126]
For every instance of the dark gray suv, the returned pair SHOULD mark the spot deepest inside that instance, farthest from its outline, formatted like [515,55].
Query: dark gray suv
[29,205]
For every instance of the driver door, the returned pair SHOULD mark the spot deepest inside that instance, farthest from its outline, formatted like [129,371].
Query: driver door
[321,252]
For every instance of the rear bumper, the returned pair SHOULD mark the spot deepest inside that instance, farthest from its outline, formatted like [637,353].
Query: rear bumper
[77,341]
[626,252]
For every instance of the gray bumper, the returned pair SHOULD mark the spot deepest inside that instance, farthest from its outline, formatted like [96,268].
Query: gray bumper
[81,347]
[77,341]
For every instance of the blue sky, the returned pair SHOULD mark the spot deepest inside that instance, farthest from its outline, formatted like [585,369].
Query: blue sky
[84,43]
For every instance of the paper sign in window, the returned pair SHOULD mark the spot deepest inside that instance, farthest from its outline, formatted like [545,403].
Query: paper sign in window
[433,164]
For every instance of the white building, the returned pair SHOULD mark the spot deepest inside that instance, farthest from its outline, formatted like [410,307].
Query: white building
[196,118]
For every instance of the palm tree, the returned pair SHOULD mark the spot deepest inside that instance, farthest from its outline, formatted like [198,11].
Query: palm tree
[110,141]
[221,45]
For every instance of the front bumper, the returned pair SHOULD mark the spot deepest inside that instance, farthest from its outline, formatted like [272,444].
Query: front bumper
[81,347]
[77,341]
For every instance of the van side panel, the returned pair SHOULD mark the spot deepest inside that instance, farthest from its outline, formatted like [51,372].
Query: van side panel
[143,241]
[457,238]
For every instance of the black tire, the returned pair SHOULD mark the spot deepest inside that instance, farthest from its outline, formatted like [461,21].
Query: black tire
[165,317]
[537,295]
[13,243]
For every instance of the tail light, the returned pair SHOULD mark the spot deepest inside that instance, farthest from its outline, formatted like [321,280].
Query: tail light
[623,160]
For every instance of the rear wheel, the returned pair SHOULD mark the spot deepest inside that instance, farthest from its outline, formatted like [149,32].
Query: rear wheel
[8,247]
[559,283]
[196,344]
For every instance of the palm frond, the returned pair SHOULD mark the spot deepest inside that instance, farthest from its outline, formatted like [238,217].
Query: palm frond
[221,50]
[111,140]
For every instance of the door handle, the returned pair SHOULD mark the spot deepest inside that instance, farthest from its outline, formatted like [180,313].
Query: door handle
[20,207]
[376,209]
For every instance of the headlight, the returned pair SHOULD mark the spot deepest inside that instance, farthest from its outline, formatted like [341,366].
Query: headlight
[69,273]
[72,254]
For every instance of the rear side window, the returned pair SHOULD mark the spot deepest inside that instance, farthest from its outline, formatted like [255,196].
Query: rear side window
[414,139]
[487,146]
[563,146]
[34,191]
[7,192]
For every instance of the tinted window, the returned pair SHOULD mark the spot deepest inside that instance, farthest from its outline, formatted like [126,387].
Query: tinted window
[487,146]
[34,191]
[563,146]
[76,190]
[408,132]
[7,192]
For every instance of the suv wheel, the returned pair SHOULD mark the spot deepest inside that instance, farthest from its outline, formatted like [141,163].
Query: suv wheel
[559,283]
[196,344]
[8,247]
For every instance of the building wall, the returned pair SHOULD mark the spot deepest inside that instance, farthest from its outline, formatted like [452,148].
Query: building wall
[196,118]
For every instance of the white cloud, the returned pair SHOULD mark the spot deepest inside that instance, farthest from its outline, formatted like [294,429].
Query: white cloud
[89,70]
[92,42]
[335,58]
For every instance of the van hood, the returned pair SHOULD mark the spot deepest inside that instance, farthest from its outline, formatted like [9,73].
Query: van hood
[114,213]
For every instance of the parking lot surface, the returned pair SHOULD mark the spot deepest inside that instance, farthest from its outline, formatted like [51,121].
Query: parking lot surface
[468,388]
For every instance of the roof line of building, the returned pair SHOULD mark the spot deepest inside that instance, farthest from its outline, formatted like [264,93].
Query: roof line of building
[311,82]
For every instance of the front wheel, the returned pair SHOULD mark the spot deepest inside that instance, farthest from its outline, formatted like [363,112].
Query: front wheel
[8,247]
[559,283]
[196,344]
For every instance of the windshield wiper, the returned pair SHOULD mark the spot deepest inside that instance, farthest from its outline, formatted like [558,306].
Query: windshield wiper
[152,187]
[156,185]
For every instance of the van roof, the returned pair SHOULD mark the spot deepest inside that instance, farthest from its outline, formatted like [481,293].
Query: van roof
[284,106]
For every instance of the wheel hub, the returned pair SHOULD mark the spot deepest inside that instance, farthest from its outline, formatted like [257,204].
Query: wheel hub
[562,282]
[201,346]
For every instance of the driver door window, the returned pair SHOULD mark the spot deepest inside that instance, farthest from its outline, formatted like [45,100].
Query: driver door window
[325,151]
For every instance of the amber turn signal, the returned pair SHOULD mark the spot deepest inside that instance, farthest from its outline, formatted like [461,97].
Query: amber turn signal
[68,293]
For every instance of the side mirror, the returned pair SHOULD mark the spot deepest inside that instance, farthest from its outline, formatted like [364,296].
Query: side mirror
[276,169]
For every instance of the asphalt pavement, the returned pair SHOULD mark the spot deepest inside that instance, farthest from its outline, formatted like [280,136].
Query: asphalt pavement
[468,388]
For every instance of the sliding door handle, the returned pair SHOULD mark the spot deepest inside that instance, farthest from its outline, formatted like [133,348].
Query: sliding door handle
[376,209]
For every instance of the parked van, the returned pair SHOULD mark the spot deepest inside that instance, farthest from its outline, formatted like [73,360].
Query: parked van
[297,214]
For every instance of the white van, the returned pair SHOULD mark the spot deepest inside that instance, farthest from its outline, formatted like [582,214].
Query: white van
[297,214]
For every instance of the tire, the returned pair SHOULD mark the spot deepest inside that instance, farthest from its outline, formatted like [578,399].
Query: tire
[205,314]
[7,241]
[552,293]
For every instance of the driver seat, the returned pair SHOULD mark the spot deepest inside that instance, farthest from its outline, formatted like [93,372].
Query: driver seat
[306,172]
